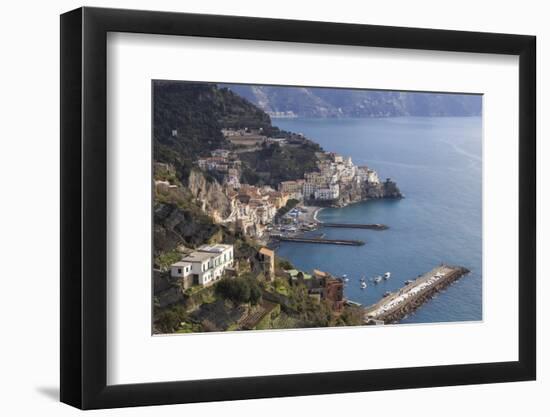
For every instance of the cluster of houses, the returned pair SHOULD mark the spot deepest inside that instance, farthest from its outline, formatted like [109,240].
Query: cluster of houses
[209,263]
[321,286]
[250,137]
[225,163]
[334,173]
[254,208]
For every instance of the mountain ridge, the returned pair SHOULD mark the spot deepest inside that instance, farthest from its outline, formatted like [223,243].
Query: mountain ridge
[324,102]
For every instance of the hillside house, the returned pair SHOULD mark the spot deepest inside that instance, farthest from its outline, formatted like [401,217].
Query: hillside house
[204,266]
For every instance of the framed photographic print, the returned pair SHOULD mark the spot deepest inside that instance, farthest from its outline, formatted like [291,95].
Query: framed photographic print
[257,208]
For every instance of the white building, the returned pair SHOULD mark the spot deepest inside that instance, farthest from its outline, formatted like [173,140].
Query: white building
[372,177]
[220,153]
[331,193]
[205,265]
[309,190]
[221,258]
[180,269]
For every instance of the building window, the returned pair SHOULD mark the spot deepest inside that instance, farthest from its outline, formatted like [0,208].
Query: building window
[179,270]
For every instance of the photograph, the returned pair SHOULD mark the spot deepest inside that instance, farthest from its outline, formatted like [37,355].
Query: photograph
[291,207]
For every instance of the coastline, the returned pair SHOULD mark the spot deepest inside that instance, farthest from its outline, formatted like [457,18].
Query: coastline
[316,212]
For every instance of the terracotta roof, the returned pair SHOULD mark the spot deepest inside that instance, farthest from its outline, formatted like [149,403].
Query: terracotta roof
[267,252]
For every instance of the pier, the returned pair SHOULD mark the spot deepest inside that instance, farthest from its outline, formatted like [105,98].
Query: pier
[397,305]
[322,241]
[373,226]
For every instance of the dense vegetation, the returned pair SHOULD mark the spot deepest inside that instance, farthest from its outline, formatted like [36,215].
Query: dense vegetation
[169,320]
[273,164]
[188,118]
[243,289]
[179,220]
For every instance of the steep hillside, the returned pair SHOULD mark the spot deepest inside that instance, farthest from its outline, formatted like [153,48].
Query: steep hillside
[188,118]
[273,164]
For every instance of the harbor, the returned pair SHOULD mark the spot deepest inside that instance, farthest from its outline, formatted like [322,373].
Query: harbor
[343,242]
[304,219]
[393,307]
[428,227]
[374,226]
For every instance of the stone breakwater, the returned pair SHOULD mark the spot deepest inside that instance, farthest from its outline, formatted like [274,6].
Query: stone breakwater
[395,306]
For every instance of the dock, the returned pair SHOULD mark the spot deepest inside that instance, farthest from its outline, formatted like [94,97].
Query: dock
[397,305]
[372,226]
[321,241]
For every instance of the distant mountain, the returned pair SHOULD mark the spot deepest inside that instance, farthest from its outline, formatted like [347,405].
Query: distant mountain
[337,102]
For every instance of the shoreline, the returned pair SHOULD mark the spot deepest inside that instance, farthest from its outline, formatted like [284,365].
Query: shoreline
[315,213]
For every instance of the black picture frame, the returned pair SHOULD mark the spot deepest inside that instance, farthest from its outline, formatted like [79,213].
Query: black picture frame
[84,207]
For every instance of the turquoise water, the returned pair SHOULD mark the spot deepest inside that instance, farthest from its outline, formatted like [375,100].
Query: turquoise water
[437,164]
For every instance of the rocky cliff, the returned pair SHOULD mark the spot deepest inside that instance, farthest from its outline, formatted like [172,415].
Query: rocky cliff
[209,195]
[351,193]
[386,189]
[354,193]
[174,226]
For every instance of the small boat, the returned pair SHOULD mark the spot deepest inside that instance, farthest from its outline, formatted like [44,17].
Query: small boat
[409,281]
[387,275]
[363,285]
[377,279]
[346,279]
[387,293]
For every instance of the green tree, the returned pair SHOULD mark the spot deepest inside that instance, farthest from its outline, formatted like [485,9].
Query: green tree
[239,290]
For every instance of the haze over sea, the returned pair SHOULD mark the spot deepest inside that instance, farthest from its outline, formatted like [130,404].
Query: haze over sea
[436,162]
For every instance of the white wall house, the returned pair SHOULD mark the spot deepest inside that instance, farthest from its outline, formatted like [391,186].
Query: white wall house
[201,270]
[221,257]
[309,190]
[180,269]
[205,265]
[330,193]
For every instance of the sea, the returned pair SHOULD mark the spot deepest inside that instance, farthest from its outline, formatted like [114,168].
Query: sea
[437,164]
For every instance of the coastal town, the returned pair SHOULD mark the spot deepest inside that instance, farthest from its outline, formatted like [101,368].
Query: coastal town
[221,211]
[262,214]
[254,209]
